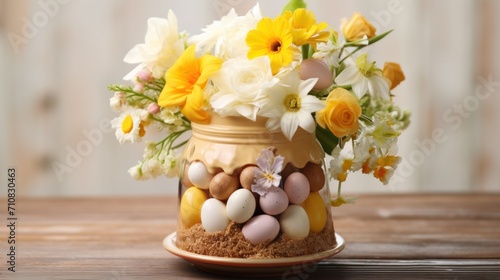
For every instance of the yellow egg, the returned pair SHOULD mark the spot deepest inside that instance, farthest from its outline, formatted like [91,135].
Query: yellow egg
[316,211]
[191,203]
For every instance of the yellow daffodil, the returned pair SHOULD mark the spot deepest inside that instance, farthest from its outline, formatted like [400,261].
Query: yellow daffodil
[184,84]
[274,39]
[304,28]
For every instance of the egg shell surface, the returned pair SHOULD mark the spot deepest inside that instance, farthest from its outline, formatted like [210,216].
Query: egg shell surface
[316,211]
[274,202]
[240,206]
[294,222]
[199,175]
[213,215]
[247,177]
[296,188]
[261,228]
[223,185]
[315,68]
[190,208]
[315,175]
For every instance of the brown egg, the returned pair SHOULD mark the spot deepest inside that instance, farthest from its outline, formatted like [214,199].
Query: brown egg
[315,175]
[223,185]
[247,177]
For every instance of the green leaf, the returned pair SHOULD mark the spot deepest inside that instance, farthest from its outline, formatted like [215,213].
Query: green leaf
[326,138]
[294,5]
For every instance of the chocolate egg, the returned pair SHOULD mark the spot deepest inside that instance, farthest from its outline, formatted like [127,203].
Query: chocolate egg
[316,211]
[315,68]
[260,229]
[289,169]
[190,207]
[247,177]
[213,215]
[294,222]
[199,175]
[297,188]
[274,202]
[223,185]
[315,175]
[240,206]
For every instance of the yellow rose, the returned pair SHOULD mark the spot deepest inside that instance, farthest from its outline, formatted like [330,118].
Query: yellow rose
[341,113]
[393,74]
[357,27]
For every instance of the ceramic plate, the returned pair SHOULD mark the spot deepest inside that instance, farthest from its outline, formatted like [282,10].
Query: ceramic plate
[247,267]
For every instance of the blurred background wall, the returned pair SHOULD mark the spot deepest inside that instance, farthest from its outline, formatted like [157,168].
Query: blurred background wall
[58,56]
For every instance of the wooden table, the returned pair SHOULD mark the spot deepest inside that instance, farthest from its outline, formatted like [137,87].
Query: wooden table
[387,236]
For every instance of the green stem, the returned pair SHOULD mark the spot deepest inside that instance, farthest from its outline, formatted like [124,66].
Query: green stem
[305,51]
[339,188]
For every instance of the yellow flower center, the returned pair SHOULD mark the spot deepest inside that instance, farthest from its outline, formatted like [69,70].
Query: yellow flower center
[127,124]
[365,67]
[292,103]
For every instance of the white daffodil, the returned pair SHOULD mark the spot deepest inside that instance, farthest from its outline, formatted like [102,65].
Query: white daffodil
[163,45]
[289,105]
[329,52]
[242,85]
[364,77]
[130,126]
[225,38]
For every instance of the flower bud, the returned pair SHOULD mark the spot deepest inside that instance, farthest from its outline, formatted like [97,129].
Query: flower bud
[393,74]
[153,108]
[357,27]
[144,75]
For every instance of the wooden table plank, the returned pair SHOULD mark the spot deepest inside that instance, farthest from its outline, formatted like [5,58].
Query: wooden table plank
[386,235]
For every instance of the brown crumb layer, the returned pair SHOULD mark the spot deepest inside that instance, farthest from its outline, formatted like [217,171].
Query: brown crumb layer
[232,244]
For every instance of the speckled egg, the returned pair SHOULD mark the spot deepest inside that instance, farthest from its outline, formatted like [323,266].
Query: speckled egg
[190,208]
[315,68]
[213,215]
[289,169]
[296,188]
[199,175]
[315,175]
[240,206]
[261,228]
[294,222]
[316,211]
[223,185]
[247,177]
[274,202]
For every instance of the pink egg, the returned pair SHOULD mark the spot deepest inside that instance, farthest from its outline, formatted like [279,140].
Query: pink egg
[274,202]
[260,229]
[315,68]
[297,188]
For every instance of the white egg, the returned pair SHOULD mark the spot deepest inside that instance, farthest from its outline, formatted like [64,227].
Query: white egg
[294,222]
[240,206]
[213,215]
[199,175]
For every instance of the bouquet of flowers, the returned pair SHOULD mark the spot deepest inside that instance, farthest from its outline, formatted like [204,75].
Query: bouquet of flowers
[290,69]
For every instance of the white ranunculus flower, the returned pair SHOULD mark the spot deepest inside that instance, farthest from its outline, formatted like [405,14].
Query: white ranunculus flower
[242,86]
[163,45]
[226,38]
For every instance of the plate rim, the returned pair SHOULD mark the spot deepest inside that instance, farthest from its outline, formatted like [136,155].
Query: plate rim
[169,245]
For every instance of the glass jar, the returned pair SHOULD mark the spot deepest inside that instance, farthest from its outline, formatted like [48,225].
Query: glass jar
[220,215]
